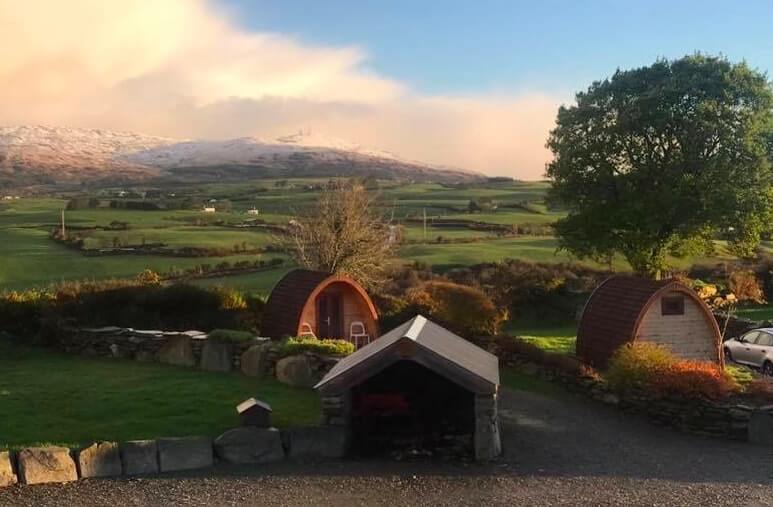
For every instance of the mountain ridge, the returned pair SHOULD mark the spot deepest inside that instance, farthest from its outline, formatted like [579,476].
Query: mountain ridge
[56,156]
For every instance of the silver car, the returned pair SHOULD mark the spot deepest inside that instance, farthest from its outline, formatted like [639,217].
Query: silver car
[753,348]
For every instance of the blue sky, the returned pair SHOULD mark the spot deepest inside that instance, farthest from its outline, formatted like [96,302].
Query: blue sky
[503,46]
[473,84]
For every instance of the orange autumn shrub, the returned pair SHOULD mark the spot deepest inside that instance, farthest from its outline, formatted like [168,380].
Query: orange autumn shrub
[693,379]
[655,369]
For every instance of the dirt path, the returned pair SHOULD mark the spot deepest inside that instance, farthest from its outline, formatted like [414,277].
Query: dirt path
[565,451]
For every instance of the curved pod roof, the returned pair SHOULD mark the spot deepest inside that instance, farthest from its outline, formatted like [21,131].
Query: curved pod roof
[614,312]
[292,293]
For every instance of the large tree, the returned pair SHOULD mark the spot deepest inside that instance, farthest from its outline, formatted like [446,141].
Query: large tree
[343,233]
[657,160]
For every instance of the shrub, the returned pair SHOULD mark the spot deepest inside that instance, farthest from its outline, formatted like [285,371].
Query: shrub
[633,365]
[148,277]
[654,368]
[694,379]
[739,375]
[300,344]
[230,335]
[508,346]
[465,309]
[230,299]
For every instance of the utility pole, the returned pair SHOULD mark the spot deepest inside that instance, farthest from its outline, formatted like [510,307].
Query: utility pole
[425,224]
[62,228]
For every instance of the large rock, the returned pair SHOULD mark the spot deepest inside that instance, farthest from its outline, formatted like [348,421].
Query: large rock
[254,360]
[250,445]
[318,442]
[7,477]
[761,427]
[186,453]
[101,459]
[139,457]
[177,351]
[46,464]
[217,356]
[296,371]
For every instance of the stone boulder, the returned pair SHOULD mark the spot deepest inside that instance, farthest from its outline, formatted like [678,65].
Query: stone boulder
[7,477]
[46,464]
[100,459]
[254,361]
[317,442]
[296,371]
[250,445]
[217,356]
[177,351]
[188,453]
[139,457]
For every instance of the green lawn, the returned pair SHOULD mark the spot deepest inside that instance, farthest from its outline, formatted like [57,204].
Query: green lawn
[757,313]
[548,336]
[50,398]
[514,379]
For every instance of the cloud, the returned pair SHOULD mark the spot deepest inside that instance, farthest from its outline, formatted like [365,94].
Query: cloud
[181,68]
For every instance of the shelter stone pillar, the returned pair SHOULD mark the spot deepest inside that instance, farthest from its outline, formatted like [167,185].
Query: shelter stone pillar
[487,441]
[336,409]
[336,416]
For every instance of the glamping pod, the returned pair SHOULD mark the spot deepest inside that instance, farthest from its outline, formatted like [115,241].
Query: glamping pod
[624,309]
[314,303]
[419,386]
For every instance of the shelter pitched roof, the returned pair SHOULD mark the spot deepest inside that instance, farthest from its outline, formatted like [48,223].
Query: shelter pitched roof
[453,355]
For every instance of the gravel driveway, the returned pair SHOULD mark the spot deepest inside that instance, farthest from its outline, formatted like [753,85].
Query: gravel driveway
[566,451]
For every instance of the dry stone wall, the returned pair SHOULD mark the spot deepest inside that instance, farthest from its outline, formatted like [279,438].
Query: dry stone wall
[244,445]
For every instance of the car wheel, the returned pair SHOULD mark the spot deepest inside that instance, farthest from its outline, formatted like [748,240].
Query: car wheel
[728,354]
[767,369]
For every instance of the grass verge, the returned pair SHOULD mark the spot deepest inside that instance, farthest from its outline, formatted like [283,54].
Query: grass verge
[51,398]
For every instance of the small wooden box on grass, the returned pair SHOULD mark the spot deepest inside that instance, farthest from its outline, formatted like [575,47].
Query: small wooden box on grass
[254,412]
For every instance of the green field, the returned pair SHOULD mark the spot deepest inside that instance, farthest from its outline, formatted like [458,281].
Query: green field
[259,283]
[30,258]
[67,400]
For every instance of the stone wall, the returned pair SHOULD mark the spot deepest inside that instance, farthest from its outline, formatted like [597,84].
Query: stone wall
[187,348]
[258,357]
[243,445]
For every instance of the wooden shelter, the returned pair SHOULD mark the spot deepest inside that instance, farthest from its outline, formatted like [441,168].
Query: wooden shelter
[315,303]
[417,381]
[624,309]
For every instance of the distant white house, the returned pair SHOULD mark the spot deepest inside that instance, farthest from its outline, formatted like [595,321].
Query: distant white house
[253,211]
[209,209]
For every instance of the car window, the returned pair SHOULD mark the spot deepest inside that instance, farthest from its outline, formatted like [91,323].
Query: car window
[765,340]
[750,337]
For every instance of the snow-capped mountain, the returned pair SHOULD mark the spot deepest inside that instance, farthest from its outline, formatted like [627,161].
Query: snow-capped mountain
[39,155]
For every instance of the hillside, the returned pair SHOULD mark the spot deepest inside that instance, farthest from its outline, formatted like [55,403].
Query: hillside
[56,156]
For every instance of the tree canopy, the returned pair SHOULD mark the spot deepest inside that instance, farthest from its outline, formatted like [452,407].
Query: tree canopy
[658,160]
[343,233]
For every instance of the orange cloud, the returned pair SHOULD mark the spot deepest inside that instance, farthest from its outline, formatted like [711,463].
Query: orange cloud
[181,68]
